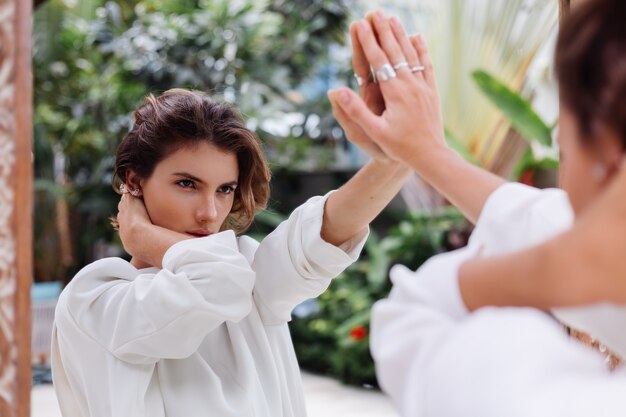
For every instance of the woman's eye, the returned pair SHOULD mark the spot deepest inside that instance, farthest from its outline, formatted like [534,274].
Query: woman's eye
[227,189]
[185,183]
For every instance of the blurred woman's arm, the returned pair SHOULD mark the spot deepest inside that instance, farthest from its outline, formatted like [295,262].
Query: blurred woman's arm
[581,266]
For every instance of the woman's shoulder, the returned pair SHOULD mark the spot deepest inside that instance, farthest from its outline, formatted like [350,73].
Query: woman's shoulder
[109,264]
[104,269]
[93,279]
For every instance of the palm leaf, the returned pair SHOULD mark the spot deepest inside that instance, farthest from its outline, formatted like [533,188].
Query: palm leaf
[516,109]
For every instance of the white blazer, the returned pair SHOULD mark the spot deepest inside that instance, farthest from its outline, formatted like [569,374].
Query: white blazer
[205,335]
[435,359]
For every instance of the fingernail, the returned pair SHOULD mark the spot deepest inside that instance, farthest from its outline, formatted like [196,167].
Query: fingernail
[395,21]
[364,25]
[380,14]
[344,96]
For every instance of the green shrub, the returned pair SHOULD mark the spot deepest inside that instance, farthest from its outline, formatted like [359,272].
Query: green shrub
[331,333]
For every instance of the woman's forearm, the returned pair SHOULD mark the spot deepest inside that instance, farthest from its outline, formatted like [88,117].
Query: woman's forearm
[575,268]
[148,243]
[563,272]
[583,265]
[361,199]
[465,185]
[505,280]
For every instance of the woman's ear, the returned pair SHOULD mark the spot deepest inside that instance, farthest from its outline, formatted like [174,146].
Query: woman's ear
[611,151]
[133,184]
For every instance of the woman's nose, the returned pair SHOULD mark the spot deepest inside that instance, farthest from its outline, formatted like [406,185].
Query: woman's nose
[207,211]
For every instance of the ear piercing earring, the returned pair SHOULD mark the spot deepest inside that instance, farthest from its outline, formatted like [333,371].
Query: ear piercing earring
[135,192]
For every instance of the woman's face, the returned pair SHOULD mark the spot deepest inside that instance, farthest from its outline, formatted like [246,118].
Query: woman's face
[192,190]
[585,167]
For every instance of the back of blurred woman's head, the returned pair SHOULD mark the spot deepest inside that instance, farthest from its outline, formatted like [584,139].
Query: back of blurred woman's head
[590,64]
[182,118]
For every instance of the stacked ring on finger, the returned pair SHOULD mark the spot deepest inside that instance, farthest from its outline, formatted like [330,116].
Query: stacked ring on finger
[359,80]
[385,72]
[401,65]
[417,68]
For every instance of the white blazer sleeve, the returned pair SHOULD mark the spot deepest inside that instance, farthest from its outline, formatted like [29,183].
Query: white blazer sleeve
[142,318]
[516,216]
[293,263]
[408,328]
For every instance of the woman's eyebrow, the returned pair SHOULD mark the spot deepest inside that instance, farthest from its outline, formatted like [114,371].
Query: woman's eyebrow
[194,178]
[188,176]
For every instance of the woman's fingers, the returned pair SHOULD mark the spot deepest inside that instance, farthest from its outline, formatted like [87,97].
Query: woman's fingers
[360,65]
[357,135]
[405,44]
[368,90]
[354,132]
[375,128]
[388,42]
[424,58]
[383,69]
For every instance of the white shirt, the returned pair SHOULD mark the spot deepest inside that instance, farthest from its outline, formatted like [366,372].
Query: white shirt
[435,359]
[206,335]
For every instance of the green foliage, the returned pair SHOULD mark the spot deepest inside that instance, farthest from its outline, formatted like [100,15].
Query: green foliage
[515,108]
[94,63]
[331,333]
[519,112]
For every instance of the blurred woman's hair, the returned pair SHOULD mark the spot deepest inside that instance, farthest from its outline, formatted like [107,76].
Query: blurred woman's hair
[590,64]
[182,118]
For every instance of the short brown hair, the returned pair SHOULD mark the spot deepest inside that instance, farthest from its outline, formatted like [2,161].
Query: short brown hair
[179,118]
[590,64]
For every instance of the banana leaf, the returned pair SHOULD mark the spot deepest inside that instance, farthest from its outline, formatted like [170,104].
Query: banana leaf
[515,108]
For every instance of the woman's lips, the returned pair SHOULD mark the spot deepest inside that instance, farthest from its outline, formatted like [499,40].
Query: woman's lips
[199,233]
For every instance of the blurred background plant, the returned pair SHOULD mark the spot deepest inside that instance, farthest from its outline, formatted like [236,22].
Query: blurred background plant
[95,60]
[331,333]
[540,162]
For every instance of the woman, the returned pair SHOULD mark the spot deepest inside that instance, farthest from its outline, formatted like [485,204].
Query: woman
[196,323]
[433,357]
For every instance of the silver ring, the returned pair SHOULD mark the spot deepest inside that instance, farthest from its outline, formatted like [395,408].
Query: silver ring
[417,68]
[400,65]
[385,72]
[359,80]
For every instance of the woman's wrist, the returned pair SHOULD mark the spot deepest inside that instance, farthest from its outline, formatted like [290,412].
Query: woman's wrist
[393,168]
[426,159]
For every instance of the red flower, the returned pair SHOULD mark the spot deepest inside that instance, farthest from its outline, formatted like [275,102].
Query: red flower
[358,333]
[527,177]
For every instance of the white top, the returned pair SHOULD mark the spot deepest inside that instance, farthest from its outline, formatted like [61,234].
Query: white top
[435,359]
[205,335]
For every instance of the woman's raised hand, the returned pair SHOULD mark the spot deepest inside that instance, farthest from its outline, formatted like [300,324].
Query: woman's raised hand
[369,92]
[399,117]
[131,214]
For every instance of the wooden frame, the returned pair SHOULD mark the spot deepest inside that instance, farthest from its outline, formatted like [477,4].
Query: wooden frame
[15,207]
